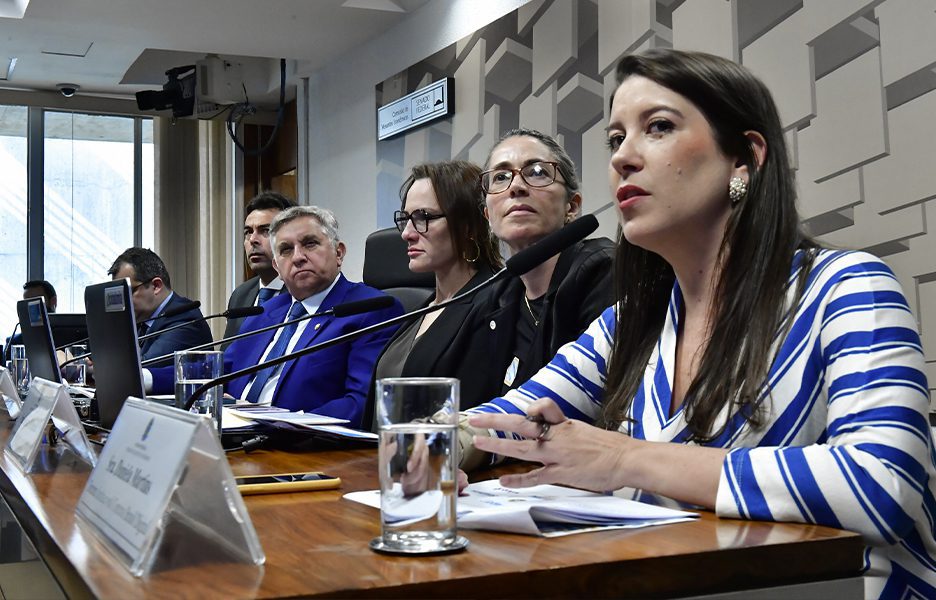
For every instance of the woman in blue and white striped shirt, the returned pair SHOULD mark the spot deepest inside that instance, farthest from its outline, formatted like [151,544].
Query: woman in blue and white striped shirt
[787,379]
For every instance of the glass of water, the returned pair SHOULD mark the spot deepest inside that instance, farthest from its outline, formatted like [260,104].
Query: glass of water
[192,370]
[417,420]
[76,372]
[20,371]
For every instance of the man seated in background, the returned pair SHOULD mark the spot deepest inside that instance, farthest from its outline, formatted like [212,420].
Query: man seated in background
[41,287]
[307,254]
[32,289]
[152,296]
[265,283]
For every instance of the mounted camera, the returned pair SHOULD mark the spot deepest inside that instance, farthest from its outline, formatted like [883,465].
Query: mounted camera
[177,94]
[68,89]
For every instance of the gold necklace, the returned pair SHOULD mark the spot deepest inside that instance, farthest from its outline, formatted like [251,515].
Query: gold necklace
[532,314]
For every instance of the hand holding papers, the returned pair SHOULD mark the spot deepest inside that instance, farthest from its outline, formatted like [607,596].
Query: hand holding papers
[547,510]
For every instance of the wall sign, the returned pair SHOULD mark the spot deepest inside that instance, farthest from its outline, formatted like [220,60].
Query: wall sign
[422,106]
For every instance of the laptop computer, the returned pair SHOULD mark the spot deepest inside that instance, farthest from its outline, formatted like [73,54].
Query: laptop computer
[68,328]
[112,335]
[37,337]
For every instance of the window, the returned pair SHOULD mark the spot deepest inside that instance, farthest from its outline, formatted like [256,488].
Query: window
[97,175]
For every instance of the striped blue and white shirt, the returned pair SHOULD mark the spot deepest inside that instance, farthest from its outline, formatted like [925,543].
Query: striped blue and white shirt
[846,441]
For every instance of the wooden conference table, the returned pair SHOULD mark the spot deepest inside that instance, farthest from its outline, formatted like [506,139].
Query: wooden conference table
[316,545]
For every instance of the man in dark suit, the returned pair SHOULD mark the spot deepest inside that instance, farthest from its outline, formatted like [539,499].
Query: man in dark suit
[265,283]
[153,296]
[307,254]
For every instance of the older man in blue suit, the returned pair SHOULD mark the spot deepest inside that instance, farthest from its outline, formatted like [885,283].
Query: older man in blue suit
[307,254]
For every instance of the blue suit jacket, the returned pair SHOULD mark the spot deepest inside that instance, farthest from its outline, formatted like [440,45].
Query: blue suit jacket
[332,382]
[183,338]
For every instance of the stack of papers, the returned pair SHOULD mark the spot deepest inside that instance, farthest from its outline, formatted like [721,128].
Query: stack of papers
[241,417]
[547,510]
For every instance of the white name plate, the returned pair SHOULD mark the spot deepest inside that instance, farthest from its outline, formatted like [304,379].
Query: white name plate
[11,399]
[140,473]
[47,401]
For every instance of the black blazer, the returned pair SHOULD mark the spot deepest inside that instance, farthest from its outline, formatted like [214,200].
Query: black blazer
[183,338]
[243,295]
[581,288]
[457,344]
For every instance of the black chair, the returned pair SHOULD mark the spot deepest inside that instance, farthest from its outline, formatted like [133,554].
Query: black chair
[386,268]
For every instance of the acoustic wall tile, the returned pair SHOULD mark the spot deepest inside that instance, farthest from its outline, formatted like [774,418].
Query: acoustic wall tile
[707,25]
[874,229]
[528,14]
[907,41]
[912,135]
[579,102]
[835,194]
[507,72]
[594,176]
[927,297]
[469,100]
[555,42]
[538,111]
[843,43]
[478,151]
[621,27]
[783,61]
[849,129]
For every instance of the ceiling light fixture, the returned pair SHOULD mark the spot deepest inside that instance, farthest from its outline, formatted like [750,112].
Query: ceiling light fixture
[6,68]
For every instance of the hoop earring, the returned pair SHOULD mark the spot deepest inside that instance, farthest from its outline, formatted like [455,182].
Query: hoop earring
[477,252]
[737,190]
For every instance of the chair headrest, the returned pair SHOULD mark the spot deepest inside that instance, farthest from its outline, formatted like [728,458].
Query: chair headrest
[386,264]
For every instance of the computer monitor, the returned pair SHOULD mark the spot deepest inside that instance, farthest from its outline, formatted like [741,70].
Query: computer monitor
[68,328]
[37,337]
[115,351]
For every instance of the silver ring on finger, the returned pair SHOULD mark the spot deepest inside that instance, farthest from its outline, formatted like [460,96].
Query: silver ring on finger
[544,432]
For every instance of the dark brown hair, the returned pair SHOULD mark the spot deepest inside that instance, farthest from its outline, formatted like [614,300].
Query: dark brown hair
[756,254]
[457,186]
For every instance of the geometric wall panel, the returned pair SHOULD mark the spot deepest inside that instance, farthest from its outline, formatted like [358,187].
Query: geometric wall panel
[849,127]
[579,102]
[908,174]
[783,60]
[621,27]
[507,72]
[555,43]
[908,43]
[708,26]
[539,111]
[469,100]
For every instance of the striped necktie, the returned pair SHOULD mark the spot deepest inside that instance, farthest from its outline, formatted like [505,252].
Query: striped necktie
[265,294]
[279,349]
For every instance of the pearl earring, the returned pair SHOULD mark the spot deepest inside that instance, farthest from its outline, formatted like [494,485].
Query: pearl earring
[737,190]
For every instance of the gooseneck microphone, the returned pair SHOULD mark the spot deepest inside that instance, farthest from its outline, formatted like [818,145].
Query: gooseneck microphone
[339,310]
[178,310]
[517,265]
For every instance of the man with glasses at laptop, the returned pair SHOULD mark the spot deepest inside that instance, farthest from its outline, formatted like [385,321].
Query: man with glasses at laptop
[307,254]
[153,296]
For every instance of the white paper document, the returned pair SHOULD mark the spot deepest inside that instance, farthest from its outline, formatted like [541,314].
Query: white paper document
[272,413]
[547,510]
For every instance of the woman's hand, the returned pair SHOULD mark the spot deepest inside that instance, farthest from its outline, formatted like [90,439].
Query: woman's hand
[572,452]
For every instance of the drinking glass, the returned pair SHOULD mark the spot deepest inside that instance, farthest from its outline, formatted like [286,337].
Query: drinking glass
[417,420]
[76,372]
[192,370]
[20,371]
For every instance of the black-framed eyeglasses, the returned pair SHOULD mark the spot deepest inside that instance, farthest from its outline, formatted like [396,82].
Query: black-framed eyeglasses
[538,174]
[134,288]
[420,218]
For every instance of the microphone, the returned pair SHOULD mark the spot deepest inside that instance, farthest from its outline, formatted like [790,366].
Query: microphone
[178,310]
[517,265]
[232,313]
[339,310]
[554,243]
